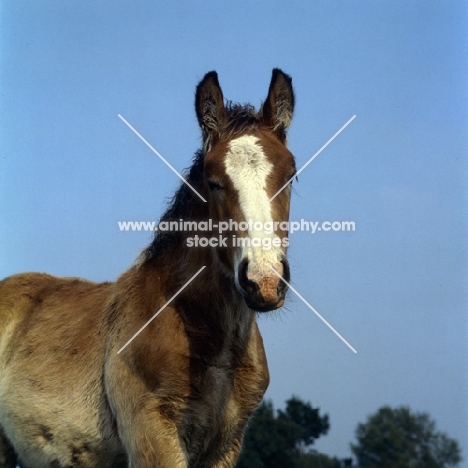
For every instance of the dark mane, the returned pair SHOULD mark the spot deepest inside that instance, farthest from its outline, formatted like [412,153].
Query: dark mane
[244,119]
[180,206]
[239,119]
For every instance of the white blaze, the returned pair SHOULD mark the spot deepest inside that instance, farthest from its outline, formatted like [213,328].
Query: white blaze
[248,168]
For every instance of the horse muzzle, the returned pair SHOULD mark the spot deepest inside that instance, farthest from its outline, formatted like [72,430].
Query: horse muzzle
[263,292]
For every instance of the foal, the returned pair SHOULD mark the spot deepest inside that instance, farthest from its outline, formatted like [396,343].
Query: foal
[180,394]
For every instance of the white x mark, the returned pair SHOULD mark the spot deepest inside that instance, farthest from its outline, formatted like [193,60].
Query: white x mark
[159,155]
[313,157]
[315,312]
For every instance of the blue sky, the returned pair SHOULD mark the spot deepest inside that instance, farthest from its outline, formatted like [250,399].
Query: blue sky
[395,288]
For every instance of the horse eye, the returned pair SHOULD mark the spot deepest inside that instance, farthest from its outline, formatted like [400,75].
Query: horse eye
[213,186]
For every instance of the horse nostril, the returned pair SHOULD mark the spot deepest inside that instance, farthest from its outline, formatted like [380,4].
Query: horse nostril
[282,286]
[249,286]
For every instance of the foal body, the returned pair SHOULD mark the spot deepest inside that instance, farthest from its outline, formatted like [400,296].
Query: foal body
[180,394]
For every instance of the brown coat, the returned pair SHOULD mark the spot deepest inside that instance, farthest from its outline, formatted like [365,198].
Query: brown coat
[180,394]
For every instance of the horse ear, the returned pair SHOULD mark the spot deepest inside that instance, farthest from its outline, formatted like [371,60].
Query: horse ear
[278,107]
[209,106]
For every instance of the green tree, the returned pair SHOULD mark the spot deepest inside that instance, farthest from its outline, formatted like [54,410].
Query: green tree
[396,437]
[310,425]
[282,440]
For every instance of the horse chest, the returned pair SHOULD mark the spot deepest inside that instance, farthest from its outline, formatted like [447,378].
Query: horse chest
[209,418]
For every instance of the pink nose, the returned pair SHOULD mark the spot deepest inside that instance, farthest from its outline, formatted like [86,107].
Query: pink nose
[268,285]
[263,292]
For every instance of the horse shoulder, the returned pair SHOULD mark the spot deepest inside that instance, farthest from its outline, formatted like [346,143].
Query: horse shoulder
[146,381]
[154,361]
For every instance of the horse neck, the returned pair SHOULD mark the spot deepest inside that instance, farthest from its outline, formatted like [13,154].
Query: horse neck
[210,306]
[216,320]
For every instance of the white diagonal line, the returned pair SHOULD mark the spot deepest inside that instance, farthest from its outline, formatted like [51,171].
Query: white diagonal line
[159,155]
[315,312]
[313,157]
[161,309]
